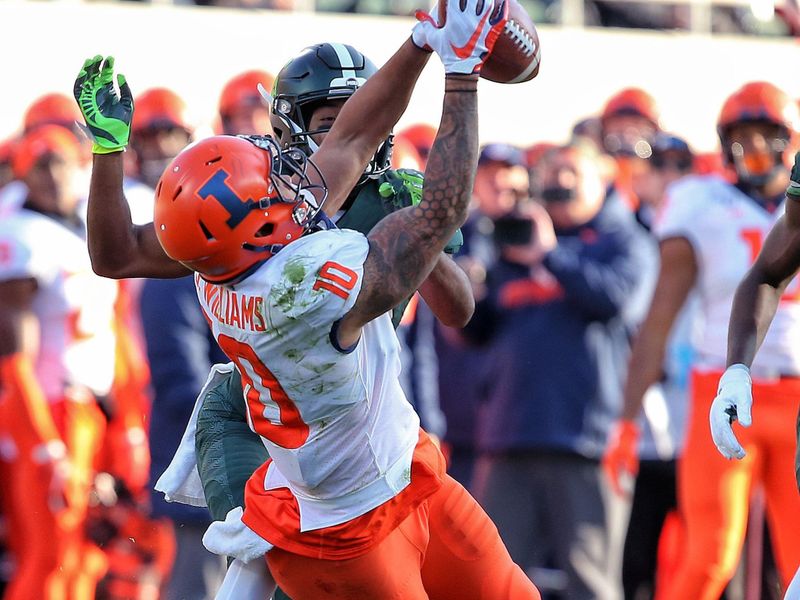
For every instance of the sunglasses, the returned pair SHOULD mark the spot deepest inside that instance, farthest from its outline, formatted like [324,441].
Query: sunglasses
[677,163]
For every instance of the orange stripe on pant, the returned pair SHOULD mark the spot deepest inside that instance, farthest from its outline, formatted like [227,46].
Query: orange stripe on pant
[447,548]
[49,545]
[714,493]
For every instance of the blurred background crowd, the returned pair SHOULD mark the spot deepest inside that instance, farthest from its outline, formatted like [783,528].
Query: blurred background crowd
[530,400]
[732,16]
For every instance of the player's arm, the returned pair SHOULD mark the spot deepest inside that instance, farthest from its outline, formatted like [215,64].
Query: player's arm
[354,137]
[117,247]
[448,293]
[676,278]
[404,247]
[759,293]
[406,244]
[754,305]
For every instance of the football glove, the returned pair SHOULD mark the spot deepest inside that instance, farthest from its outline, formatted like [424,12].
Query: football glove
[466,37]
[403,184]
[793,191]
[621,459]
[734,402]
[107,115]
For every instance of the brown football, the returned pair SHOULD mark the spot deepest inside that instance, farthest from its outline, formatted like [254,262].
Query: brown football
[516,54]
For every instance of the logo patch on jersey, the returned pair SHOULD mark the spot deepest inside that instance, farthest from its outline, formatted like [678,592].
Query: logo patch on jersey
[237,208]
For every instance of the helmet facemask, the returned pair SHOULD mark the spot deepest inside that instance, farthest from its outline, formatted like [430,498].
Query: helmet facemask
[292,184]
[317,76]
[757,167]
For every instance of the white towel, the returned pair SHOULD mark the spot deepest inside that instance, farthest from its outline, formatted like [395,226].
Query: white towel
[246,582]
[232,537]
[181,481]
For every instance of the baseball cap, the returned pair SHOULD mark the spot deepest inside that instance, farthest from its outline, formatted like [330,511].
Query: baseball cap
[502,153]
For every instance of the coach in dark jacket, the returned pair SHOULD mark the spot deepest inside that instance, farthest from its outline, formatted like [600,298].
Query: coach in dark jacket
[575,274]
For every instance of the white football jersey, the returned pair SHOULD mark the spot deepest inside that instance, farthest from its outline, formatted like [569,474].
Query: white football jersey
[75,307]
[727,229]
[336,423]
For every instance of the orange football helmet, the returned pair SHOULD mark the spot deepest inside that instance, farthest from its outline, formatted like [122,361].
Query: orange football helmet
[759,102]
[226,204]
[632,101]
[242,90]
[52,109]
[159,107]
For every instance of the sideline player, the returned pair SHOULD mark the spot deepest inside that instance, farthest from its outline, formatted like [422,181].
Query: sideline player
[57,353]
[755,305]
[351,454]
[711,232]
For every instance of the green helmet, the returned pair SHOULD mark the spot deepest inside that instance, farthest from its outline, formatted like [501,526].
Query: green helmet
[317,75]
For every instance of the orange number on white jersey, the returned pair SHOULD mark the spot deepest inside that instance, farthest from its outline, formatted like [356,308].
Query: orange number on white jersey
[337,279]
[290,432]
[754,238]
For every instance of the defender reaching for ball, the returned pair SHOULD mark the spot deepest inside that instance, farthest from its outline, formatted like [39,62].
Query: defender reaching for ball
[354,500]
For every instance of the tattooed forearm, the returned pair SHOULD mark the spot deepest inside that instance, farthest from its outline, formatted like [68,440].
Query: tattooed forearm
[405,246]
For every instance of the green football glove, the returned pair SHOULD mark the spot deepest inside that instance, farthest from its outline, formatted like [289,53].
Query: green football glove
[406,185]
[793,191]
[108,115]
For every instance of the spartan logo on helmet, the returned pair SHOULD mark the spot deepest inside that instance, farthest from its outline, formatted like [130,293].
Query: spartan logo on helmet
[320,74]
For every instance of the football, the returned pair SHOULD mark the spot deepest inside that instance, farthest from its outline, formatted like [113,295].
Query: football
[516,54]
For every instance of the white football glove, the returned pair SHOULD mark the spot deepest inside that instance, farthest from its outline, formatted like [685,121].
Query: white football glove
[734,402]
[466,37]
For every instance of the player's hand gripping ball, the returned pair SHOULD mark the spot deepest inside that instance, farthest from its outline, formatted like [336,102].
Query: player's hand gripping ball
[516,54]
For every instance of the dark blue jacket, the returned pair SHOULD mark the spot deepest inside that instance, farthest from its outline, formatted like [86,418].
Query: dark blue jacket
[558,347]
[181,350]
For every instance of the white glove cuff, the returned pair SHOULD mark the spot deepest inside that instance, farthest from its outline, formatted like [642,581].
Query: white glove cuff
[735,374]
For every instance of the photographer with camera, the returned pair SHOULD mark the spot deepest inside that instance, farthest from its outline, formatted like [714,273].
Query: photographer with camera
[574,274]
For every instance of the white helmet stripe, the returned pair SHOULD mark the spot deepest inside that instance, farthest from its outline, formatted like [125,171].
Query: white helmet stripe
[348,68]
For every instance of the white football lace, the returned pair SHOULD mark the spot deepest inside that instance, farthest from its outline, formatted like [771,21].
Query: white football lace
[520,37]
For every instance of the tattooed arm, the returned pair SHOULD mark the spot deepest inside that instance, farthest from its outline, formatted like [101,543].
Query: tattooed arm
[406,245]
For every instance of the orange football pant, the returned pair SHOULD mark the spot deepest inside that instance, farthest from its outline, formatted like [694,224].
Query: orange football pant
[714,493]
[49,542]
[448,548]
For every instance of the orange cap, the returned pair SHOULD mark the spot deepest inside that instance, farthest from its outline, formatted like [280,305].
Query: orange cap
[159,107]
[242,91]
[47,139]
[51,109]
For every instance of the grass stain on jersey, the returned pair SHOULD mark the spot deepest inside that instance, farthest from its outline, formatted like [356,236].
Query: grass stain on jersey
[294,271]
[294,354]
[284,294]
